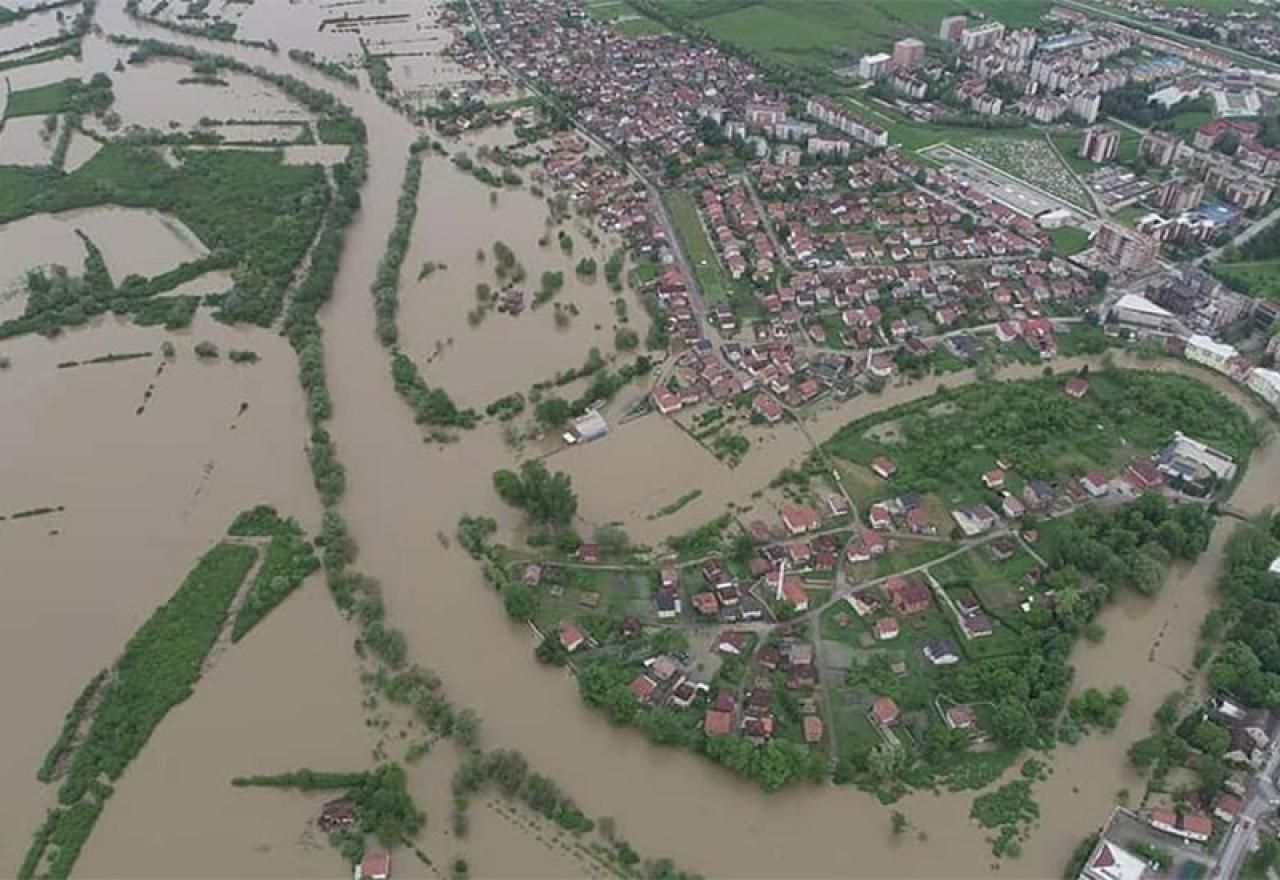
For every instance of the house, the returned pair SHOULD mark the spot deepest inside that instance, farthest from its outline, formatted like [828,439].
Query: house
[1188,826]
[800,518]
[794,593]
[643,688]
[1251,730]
[880,517]
[532,575]
[1038,495]
[941,652]
[993,479]
[667,401]
[705,603]
[670,577]
[340,813]
[1077,387]
[886,629]
[758,729]
[1095,483]
[684,693]
[571,638]
[717,723]
[863,603]
[918,522]
[1012,507]
[767,408]
[668,602]
[812,729]
[885,711]
[731,642]
[1143,475]
[837,505]
[1227,807]
[376,865]
[978,626]
[589,553]
[974,521]
[883,467]
[662,667]
[908,595]
[866,546]
[960,717]
[799,553]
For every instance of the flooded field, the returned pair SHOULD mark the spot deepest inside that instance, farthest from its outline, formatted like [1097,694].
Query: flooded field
[133,242]
[153,95]
[26,141]
[141,495]
[456,220]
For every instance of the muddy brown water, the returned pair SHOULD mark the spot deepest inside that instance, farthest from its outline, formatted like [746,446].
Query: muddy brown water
[132,528]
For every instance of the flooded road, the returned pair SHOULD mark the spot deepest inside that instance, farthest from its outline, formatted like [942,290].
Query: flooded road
[137,525]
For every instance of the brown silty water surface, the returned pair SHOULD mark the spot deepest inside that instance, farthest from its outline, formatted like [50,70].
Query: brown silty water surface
[133,526]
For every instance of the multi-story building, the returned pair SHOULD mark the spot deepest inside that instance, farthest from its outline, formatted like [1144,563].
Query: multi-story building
[1099,144]
[1267,385]
[911,86]
[1086,105]
[908,52]
[1179,194]
[872,67]
[974,39]
[952,28]
[765,114]
[1158,147]
[1242,189]
[1125,248]
[829,113]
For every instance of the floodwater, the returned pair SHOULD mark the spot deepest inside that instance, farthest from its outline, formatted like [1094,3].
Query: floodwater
[133,241]
[171,815]
[141,496]
[478,364]
[153,96]
[23,142]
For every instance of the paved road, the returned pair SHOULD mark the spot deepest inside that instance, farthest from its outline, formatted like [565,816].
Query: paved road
[766,222]
[1243,836]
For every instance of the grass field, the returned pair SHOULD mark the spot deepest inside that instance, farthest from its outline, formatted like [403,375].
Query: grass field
[706,265]
[625,18]
[1068,240]
[820,34]
[1260,278]
[42,100]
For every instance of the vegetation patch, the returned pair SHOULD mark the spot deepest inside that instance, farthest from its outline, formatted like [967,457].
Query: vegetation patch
[288,561]
[383,806]
[158,669]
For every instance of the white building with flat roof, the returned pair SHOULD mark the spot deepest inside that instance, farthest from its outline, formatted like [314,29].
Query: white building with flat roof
[874,66]
[1214,355]
[1266,383]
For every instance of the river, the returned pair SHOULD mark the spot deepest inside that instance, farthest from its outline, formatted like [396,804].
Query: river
[171,817]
